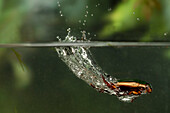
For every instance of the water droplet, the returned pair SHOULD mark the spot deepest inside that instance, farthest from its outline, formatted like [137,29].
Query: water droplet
[165,34]
[109,9]
[83,32]
[59,39]
[58,3]
[60,13]
[69,29]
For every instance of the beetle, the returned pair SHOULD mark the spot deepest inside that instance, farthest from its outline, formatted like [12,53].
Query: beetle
[135,87]
[129,87]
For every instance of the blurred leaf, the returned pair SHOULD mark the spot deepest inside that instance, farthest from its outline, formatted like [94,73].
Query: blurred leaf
[129,14]
[11,19]
[19,58]
[16,110]
[166,12]
[10,22]
[1,4]
[147,7]
[22,76]
[121,18]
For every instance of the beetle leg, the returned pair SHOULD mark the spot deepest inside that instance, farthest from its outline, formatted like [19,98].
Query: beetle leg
[133,92]
[110,86]
[92,85]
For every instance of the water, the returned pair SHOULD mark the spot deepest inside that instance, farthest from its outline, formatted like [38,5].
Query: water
[82,64]
[53,86]
[48,85]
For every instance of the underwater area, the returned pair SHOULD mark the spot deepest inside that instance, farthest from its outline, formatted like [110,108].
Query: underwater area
[36,80]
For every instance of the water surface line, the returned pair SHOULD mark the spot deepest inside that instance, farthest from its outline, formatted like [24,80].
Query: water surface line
[86,44]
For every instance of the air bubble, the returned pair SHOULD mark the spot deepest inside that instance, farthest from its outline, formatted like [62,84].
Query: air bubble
[84,67]
[110,78]
[98,83]
[92,14]
[87,6]
[83,34]
[138,19]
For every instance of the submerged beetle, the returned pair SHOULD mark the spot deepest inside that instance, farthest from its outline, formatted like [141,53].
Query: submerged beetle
[135,87]
[128,90]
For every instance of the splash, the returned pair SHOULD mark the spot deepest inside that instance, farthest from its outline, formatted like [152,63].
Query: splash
[81,62]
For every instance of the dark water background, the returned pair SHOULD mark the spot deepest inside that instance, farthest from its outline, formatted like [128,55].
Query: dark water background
[46,85]
[54,88]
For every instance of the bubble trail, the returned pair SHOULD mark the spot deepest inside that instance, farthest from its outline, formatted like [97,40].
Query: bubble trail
[81,63]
